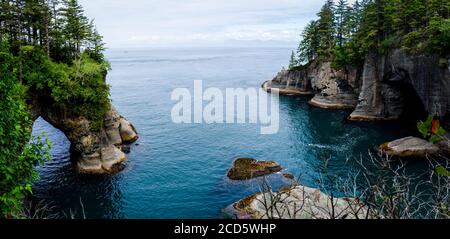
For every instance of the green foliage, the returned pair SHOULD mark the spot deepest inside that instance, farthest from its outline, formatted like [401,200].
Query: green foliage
[84,90]
[389,43]
[309,45]
[431,130]
[325,30]
[347,33]
[18,155]
[439,35]
[48,49]
[78,90]
[442,171]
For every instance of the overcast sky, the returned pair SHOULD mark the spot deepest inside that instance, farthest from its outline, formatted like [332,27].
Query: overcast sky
[137,23]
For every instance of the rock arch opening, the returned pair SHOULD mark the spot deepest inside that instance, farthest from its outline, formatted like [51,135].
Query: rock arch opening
[92,151]
[60,143]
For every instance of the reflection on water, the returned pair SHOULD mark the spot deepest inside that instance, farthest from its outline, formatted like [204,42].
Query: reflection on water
[179,171]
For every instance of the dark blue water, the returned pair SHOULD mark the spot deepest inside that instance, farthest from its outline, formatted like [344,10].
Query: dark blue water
[179,171]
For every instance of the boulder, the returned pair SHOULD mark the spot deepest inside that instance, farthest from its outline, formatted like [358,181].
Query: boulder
[127,132]
[409,147]
[248,168]
[297,202]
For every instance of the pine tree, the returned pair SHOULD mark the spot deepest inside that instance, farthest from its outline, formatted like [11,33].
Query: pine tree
[293,62]
[76,27]
[309,45]
[94,44]
[342,22]
[326,29]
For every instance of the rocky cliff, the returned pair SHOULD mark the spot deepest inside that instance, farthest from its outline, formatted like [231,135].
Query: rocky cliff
[290,82]
[395,86]
[334,89]
[93,151]
[403,85]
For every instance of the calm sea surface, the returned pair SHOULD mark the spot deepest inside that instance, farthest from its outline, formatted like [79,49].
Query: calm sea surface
[179,171]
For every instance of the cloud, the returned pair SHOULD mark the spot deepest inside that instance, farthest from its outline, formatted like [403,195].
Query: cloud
[126,23]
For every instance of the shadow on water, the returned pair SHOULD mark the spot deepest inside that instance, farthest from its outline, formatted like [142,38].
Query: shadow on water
[68,193]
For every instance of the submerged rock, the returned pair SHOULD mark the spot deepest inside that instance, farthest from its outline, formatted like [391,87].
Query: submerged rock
[298,202]
[289,176]
[409,147]
[248,168]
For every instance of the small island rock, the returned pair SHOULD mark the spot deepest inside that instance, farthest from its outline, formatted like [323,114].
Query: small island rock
[248,168]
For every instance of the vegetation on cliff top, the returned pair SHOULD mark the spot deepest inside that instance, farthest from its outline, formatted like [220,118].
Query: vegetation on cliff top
[48,49]
[346,33]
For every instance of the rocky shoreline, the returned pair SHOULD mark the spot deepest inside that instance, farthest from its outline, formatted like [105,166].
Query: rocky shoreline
[385,88]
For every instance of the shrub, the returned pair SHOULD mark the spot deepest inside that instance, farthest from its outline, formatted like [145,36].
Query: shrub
[77,90]
[18,155]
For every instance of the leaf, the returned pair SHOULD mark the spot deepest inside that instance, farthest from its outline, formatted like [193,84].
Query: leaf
[442,171]
[423,129]
[441,131]
[435,139]
[435,126]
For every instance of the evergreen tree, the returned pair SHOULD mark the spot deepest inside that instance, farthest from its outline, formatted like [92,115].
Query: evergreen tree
[94,44]
[325,30]
[342,16]
[293,62]
[76,27]
[309,45]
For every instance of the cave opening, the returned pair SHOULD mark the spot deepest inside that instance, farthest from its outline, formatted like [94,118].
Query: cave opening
[413,108]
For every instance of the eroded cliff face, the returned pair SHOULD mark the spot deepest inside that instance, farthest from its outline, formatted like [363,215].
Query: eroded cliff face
[290,82]
[402,85]
[94,151]
[332,88]
[336,89]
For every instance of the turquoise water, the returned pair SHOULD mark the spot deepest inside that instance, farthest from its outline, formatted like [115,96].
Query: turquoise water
[179,171]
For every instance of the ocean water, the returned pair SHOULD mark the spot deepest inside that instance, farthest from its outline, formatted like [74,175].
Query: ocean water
[179,170]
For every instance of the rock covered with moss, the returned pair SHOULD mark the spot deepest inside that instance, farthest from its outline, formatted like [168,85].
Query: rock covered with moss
[248,168]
